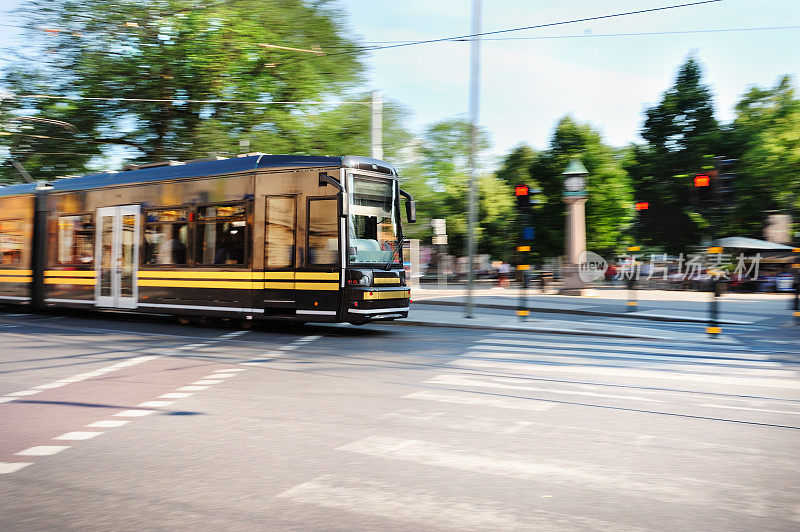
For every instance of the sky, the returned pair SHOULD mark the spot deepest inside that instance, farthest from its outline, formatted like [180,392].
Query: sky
[527,85]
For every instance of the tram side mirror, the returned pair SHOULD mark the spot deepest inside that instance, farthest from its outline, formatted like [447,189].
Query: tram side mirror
[325,180]
[411,207]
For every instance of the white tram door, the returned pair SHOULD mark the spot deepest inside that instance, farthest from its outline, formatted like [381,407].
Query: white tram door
[117,252]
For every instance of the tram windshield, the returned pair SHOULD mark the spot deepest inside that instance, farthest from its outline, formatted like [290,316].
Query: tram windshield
[373,224]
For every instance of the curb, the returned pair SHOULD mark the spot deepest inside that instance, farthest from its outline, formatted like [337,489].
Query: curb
[649,317]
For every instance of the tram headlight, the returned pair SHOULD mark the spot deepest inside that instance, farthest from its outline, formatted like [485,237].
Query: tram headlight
[359,278]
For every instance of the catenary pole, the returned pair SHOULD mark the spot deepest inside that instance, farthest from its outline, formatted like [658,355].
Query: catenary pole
[377,125]
[474,86]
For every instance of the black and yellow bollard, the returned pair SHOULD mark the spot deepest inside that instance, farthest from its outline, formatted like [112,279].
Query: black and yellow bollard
[713,328]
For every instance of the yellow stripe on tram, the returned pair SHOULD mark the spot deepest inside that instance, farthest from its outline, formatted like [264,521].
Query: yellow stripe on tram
[69,273]
[386,280]
[16,272]
[394,294]
[68,280]
[15,279]
[316,286]
[317,276]
[172,274]
[196,284]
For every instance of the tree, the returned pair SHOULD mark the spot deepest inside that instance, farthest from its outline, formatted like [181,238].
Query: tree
[439,181]
[609,203]
[682,138]
[765,139]
[181,53]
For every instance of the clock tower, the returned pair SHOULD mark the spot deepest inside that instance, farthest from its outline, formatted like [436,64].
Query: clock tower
[575,200]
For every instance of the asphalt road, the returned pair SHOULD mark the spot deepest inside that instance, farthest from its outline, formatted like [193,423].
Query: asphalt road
[114,423]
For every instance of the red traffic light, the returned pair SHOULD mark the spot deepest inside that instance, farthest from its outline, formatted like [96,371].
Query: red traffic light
[642,206]
[521,190]
[702,180]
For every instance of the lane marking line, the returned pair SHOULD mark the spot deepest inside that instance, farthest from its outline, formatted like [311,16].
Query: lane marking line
[108,423]
[752,409]
[173,395]
[78,436]
[219,376]
[78,378]
[154,404]
[12,467]
[193,388]
[206,381]
[229,370]
[43,450]
[134,413]
[23,393]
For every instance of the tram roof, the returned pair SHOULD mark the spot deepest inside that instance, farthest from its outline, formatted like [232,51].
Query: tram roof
[13,190]
[203,169]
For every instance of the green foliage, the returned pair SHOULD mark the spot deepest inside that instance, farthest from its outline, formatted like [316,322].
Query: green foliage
[682,137]
[766,139]
[439,181]
[609,203]
[184,50]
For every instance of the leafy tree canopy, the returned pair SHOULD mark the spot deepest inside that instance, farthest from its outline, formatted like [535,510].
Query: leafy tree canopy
[181,51]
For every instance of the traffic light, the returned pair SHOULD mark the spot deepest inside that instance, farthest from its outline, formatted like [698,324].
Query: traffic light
[703,187]
[642,205]
[522,193]
[725,189]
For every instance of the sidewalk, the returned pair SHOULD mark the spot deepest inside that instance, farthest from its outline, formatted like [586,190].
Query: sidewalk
[656,305]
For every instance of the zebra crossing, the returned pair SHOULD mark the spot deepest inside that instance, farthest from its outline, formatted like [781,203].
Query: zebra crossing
[514,413]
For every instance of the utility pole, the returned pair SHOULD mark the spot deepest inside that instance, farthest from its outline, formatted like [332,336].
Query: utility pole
[472,216]
[376,136]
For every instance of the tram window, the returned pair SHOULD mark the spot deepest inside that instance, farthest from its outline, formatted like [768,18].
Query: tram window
[323,225]
[11,242]
[279,240]
[166,237]
[221,234]
[75,239]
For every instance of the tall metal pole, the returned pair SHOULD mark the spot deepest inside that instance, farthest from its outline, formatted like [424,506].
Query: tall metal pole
[377,126]
[474,77]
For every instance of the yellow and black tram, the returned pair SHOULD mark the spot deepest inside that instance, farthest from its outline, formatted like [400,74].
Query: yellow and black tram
[257,236]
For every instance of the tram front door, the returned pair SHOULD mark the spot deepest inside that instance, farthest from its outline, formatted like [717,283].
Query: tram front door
[117,253]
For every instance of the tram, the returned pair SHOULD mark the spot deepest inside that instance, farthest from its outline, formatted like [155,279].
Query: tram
[300,238]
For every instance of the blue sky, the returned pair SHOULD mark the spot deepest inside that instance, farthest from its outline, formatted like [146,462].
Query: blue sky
[527,85]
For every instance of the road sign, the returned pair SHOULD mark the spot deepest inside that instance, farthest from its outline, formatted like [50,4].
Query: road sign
[439,226]
[440,240]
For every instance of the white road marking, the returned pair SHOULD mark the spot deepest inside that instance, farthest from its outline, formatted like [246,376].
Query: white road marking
[108,423]
[233,334]
[43,450]
[78,436]
[228,370]
[23,393]
[753,409]
[528,369]
[720,494]
[207,381]
[307,339]
[501,351]
[532,345]
[7,399]
[485,400]
[50,386]
[134,413]
[12,467]
[219,375]
[423,510]
[154,404]
[193,388]
[175,395]
[513,384]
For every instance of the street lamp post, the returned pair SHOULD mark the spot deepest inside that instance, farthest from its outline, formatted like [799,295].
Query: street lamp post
[472,216]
